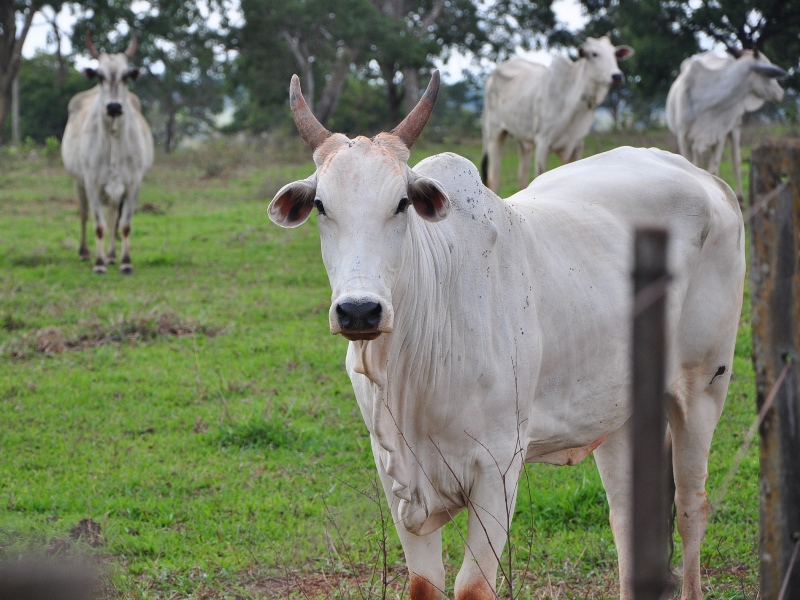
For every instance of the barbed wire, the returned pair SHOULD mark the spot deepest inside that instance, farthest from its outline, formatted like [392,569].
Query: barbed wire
[785,585]
[748,439]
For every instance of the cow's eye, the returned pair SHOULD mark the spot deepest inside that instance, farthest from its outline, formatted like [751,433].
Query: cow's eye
[594,54]
[401,206]
[320,206]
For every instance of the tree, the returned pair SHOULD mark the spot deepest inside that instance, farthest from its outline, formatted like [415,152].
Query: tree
[16,17]
[319,40]
[45,95]
[665,33]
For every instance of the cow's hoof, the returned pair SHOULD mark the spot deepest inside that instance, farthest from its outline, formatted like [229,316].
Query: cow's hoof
[126,268]
[84,254]
[99,270]
[111,259]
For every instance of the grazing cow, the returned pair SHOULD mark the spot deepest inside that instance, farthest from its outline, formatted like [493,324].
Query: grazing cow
[549,108]
[487,333]
[707,100]
[108,148]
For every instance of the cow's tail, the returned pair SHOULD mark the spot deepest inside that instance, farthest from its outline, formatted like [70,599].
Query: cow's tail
[485,168]
[670,475]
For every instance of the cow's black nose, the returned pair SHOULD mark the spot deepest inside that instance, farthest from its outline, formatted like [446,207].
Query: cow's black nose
[114,109]
[359,316]
[617,78]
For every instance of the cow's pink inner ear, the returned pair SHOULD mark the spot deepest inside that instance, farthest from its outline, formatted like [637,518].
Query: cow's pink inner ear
[429,199]
[292,205]
[623,52]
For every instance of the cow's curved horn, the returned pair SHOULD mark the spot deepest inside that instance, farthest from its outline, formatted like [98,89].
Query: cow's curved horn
[132,46]
[770,71]
[90,44]
[310,129]
[408,131]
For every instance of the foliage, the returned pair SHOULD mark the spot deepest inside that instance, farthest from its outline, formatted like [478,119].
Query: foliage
[43,101]
[220,466]
[665,33]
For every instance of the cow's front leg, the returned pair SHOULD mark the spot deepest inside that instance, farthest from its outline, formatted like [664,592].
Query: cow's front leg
[100,229]
[113,223]
[523,169]
[83,211]
[491,507]
[423,552]
[125,222]
[540,157]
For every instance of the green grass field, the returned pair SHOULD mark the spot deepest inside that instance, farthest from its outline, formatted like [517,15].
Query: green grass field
[198,412]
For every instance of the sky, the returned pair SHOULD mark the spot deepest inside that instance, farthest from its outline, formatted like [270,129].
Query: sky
[567,11]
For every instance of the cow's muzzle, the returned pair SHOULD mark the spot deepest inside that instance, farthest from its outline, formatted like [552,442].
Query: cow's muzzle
[359,320]
[114,109]
[617,79]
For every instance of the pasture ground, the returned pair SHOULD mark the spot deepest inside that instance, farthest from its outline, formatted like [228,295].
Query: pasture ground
[192,429]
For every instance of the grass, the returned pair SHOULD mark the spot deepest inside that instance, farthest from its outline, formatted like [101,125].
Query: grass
[198,412]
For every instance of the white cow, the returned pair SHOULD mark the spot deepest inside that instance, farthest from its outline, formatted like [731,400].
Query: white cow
[487,333]
[549,108]
[706,103]
[108,148]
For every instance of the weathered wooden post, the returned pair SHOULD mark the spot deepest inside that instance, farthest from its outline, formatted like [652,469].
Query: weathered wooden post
[775,297]
[650,505]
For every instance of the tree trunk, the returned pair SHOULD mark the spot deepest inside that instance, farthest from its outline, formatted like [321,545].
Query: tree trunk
[333,88]
[5,107]
[169,134]
[301,55]
[10,53]
[392,93]
[411,91]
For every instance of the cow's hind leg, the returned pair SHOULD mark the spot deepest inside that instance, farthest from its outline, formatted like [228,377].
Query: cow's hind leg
[83,211]
[693,412]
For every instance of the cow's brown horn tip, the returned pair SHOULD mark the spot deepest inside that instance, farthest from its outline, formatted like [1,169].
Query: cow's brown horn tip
[311,130]
[409,130]
[132,45]
[90,44]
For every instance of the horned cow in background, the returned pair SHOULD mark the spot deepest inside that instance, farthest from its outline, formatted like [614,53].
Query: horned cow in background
[708,99]
[108,148]
[549,108]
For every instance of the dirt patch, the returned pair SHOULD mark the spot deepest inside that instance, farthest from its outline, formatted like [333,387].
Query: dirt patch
[53,340]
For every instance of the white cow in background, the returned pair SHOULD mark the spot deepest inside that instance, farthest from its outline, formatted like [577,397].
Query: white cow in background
[108,148]
[706,103]
[487,333]
[549,108]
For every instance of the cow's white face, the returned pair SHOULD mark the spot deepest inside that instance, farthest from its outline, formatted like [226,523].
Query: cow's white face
[764,78]
[364,192]
[113,74]
[601,58]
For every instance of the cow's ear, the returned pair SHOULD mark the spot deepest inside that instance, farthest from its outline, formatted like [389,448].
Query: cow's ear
[430,200]
[133,74]
[90,73]
[623,52]
[293,203]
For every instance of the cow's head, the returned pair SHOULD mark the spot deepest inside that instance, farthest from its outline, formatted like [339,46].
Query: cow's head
[764,76]
[601,58]
[363,191]
[113,74]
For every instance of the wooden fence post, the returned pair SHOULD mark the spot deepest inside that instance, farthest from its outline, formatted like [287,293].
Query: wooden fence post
[775,297]
[650,502]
